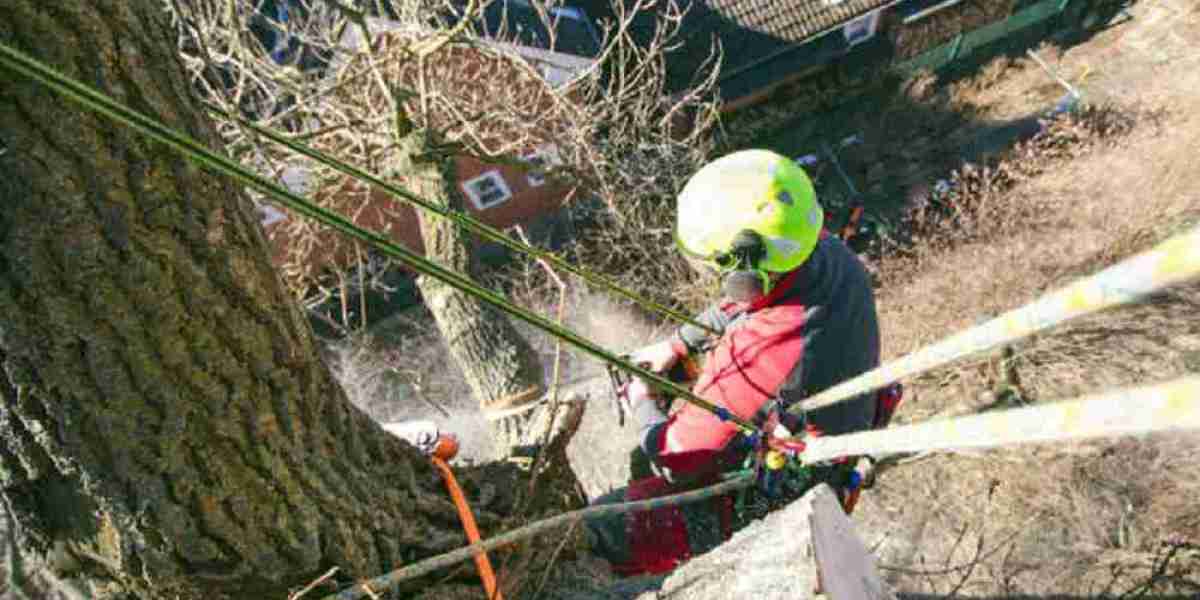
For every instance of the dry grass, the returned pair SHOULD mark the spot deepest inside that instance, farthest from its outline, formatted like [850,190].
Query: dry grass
[1085,520]
[1097,519]
[1030,224]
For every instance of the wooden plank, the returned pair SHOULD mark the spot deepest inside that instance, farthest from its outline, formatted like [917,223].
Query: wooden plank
[846,569]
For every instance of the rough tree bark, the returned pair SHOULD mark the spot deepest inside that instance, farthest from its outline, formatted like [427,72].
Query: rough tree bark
[167,429]
[500,366]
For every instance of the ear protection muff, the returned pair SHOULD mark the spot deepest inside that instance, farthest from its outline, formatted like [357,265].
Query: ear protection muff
[742,280]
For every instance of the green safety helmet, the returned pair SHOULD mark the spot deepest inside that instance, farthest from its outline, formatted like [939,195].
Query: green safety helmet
[750,196]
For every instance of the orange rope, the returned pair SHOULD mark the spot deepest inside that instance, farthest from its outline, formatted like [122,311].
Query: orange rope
[468,520]
[851,500]
[851,227]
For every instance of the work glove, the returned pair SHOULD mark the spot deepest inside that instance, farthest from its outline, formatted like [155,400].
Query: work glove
[641,402]
[660,356]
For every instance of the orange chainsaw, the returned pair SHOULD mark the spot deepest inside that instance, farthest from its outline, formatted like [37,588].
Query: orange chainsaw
[684,373]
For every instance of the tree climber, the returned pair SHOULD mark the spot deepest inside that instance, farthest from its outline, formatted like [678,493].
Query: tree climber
[797,315]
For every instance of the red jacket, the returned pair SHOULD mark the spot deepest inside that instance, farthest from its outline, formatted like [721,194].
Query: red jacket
[817,328]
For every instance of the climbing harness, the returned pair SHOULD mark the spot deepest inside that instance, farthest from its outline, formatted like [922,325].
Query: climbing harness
[773,454]
[779,464]
[779,474]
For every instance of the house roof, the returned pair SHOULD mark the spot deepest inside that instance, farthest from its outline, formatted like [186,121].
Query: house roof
[557,66]
[573,32]
[790,21]
[757,37]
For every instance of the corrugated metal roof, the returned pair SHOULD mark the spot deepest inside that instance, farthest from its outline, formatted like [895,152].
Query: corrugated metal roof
[762,40]
[791,20]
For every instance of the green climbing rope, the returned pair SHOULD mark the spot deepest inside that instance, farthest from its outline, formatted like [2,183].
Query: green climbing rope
[102,104]
[470,223]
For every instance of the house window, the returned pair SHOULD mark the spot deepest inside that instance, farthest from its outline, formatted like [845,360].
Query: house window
[487,190]
[555,75]
[269,215]
[540,159]
[861,29]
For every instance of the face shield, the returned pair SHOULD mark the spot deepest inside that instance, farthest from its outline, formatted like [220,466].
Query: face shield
[741,279]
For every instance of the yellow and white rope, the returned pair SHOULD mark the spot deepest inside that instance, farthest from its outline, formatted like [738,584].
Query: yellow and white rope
[1172,262]
[1174,405]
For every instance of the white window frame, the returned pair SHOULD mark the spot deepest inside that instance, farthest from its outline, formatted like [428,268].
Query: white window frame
[861,29]
[554,74]
[269,215]
[549,154]
[497,179]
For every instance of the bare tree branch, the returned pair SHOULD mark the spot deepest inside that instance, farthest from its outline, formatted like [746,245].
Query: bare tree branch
[618,135]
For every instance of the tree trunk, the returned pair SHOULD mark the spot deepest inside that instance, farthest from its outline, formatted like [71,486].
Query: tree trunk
[500,366]
[167,428]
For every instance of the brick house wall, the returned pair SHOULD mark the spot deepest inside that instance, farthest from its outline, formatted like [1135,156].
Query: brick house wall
[526,198]
[499,195]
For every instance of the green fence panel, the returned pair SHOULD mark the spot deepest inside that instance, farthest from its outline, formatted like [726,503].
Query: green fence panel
[1002,29]
[968,42]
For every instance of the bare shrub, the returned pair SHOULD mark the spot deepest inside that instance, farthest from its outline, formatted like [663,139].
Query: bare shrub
[978,204]
[636,250]
[619,136]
